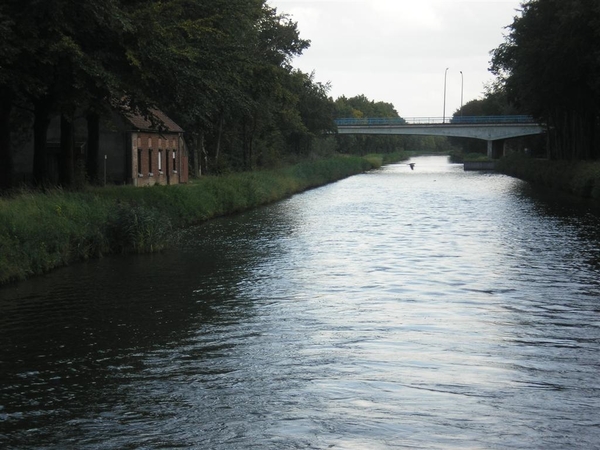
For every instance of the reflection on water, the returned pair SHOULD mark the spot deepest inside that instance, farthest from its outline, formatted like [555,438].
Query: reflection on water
[396,309]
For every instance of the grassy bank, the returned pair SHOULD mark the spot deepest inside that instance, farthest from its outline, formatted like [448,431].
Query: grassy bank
[580,178]
[42,231]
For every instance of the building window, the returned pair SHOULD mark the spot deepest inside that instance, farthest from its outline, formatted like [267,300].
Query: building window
[174,161]
[150,162]
[139,162]
[160,161]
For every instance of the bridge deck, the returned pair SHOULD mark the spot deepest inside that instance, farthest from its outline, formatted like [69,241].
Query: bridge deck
[489,128]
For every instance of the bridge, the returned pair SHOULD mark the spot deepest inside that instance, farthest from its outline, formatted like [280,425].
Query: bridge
[493,129]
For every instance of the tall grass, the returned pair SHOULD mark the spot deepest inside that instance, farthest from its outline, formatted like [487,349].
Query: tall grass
[41,231]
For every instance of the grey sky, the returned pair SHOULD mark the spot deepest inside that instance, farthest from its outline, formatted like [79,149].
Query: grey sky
[397,51]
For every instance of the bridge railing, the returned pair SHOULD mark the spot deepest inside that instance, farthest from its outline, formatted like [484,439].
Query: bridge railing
[396,121]
[493,119]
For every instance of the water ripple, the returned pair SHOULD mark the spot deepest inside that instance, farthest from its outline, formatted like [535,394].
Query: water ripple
[429,309]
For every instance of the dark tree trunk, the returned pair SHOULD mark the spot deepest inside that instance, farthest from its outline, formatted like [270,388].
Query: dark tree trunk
[42,108]
[194,152]
[219,137]
[202,152]
[195,144]
[6,156]
[204,162]
[198,151]
[67,151]
[93,147]
[251,142]
[244,144]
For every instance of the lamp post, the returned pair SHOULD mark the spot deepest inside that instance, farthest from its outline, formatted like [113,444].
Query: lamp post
[445,77]
[462,85]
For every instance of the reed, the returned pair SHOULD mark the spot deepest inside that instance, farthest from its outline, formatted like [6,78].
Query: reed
[40,231]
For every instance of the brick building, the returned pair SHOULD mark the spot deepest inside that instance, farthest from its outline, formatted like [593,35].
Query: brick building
[156,157]
[132,150]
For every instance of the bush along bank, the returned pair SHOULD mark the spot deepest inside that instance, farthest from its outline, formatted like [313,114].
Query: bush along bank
[580,178]
[41,231]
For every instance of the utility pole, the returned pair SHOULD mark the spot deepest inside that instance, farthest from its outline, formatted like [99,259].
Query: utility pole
[445,78]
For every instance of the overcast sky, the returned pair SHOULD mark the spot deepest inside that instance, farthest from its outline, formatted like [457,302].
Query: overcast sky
[396,51]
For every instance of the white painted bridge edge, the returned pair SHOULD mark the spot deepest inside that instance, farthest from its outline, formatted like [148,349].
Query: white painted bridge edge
[486,132]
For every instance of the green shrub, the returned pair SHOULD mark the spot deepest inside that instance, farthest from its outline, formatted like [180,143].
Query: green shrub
[580,178]
[133,228]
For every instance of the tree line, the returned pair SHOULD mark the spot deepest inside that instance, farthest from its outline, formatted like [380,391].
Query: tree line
[220,68]
[549,67]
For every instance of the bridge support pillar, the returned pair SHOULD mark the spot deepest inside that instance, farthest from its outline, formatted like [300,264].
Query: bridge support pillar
[495,149]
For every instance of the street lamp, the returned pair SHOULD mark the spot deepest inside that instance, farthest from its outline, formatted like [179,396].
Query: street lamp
[445,77]
[462,84]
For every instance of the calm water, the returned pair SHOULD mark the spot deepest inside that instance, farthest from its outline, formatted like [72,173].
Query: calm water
[425,309]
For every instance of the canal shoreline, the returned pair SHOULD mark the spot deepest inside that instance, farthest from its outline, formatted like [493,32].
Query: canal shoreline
[41,231]
[578,178]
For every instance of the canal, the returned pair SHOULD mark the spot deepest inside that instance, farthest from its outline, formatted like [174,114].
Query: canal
[413,309]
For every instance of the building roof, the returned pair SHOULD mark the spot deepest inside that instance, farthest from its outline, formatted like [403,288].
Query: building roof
[160,122]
